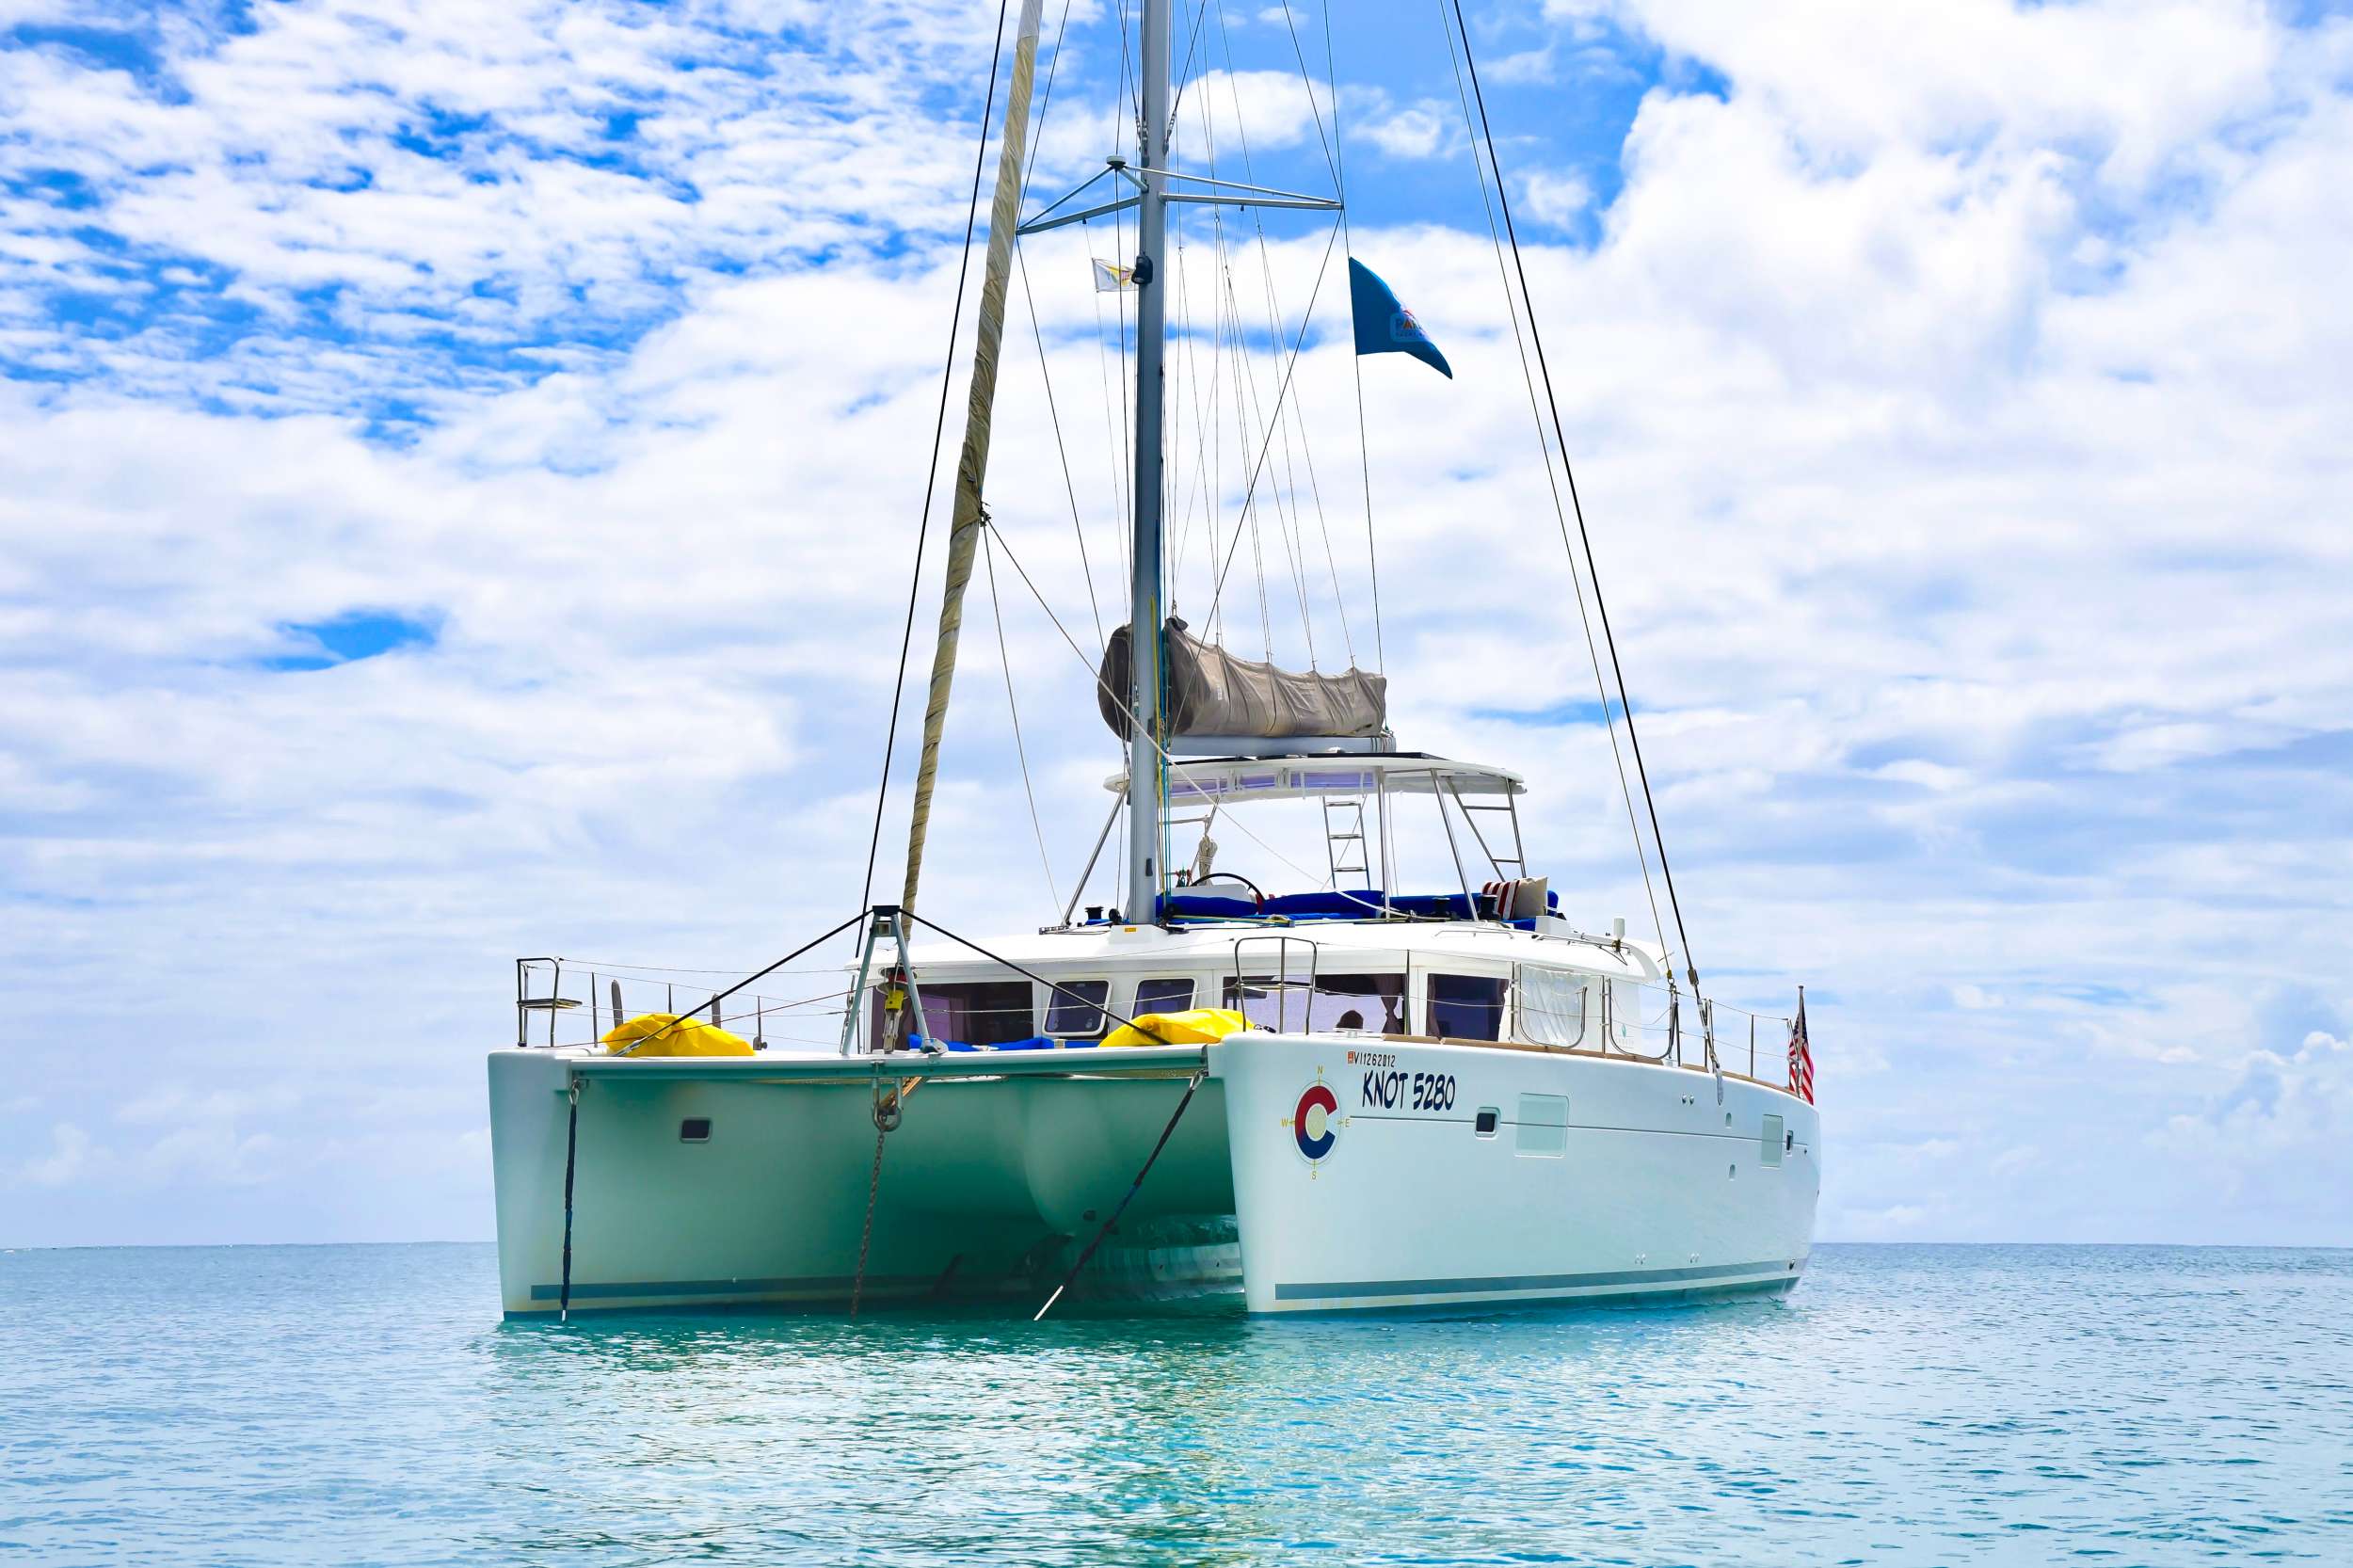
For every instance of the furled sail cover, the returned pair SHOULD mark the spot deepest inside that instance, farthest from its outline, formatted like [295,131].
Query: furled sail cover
[1212,693]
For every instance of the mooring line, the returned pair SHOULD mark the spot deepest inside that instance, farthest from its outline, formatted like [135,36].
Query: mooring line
[1134,1187]
[572,1149]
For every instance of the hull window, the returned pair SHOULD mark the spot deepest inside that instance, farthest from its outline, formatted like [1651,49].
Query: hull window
[1487,1121]
[1073,1009]
[694,1130]
[1466,1006]
[1543,1132]
[1770,1141]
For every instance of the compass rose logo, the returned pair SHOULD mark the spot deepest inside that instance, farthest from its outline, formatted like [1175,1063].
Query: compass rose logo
[1315,1122]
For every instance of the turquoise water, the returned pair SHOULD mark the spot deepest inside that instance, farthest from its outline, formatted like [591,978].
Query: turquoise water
[1905,1405]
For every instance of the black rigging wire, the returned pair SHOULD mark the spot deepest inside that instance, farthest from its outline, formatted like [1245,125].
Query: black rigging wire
[1552,481]
[1576,505]
[931,482]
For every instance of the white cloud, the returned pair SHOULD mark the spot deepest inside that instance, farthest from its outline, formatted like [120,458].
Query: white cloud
[71,1158]
[1424,129]
[1553,197]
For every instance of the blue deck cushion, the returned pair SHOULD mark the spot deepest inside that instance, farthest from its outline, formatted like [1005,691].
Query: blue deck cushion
[1038,1042]
[1206,905]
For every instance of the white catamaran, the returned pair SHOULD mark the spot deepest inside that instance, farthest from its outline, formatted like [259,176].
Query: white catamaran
[1338,1097]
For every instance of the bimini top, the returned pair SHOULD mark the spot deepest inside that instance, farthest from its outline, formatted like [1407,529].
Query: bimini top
[1236,778]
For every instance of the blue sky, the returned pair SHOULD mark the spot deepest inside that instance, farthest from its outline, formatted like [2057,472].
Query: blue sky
[460,473]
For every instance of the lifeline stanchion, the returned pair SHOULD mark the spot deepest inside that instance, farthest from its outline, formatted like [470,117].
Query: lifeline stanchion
[1134,1187]
[571,1148]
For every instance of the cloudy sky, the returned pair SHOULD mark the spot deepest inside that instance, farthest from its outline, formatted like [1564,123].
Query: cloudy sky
[459,469]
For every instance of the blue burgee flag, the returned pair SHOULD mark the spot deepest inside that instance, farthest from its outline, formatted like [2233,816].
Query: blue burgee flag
[1385,327]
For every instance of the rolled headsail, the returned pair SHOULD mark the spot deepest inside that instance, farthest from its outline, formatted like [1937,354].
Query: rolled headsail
[972,463]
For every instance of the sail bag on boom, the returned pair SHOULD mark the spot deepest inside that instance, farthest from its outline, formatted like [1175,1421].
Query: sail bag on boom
[1210,691]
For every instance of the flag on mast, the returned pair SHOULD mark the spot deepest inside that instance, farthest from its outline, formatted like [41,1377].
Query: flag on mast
[1800,1055]
[1385,327]
[1110,276]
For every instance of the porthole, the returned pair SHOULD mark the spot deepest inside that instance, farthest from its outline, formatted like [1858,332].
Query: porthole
[1485,1122]
[694,1130]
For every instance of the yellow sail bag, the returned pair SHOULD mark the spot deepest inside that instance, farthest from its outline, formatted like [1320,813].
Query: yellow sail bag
[1201,1026]
[690,1037]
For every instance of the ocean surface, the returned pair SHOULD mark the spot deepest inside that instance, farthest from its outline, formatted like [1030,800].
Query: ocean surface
[267,1405]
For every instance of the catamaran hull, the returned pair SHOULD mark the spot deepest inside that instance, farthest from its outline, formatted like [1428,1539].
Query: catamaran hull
[1588,1176]
[1309,1172]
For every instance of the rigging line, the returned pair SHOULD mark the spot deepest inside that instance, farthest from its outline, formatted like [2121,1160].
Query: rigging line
[1128,80]
[1241,412]
[1184,76]
[1592,568]
[931,481]
[1069,487]
[1113,436]
[1120,700]
[989,559]
[1288,530]
[1544,445]
[638,1045]
[1283,392]
[1292,527]
[1045,105]
[1331,144]
[1356,360]
[1192,1086]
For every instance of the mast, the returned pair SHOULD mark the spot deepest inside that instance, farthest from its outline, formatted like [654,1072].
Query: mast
[973,462]
[1145,610]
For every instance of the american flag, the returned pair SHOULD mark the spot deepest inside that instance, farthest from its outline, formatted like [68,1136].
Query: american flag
[1800,1055]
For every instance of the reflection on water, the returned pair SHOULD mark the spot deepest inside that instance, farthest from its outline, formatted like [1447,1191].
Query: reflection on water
[266,1405]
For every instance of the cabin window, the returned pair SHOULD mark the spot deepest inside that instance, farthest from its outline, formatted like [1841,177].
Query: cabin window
[975,1012]
[1373,1003]
[1769,1141]
[1163,996]
[1073,1008]
[694,1130]
[1466,1006]
[1552,1007]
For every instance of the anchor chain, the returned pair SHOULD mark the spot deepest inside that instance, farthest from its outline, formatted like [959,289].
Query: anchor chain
[889,1108]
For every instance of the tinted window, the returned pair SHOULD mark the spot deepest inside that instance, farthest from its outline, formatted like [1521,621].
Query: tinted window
[1163,996]
[1073,1008]
[1466,1007]
[1373,1003]
[976,1013]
